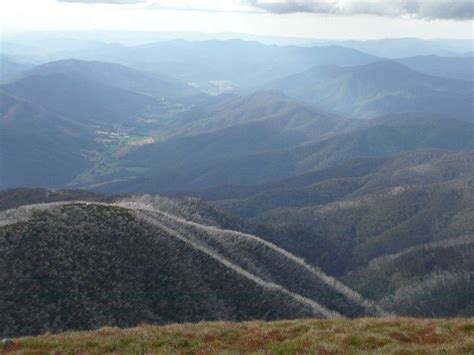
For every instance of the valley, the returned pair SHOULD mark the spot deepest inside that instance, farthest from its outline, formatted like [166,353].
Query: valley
[237,193]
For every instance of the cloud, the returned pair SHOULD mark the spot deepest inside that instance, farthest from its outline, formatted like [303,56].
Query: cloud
[178,5]
[425,9]
[159,6]
[287,7]
[103,1]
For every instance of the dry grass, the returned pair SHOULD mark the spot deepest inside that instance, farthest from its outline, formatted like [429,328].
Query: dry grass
[335,336]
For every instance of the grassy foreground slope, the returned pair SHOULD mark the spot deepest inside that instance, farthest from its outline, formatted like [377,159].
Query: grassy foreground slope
[335,336]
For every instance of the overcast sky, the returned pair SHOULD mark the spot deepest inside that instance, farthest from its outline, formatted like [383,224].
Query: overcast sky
[341,19]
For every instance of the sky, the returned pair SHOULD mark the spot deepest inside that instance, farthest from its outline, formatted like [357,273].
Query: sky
[324,19]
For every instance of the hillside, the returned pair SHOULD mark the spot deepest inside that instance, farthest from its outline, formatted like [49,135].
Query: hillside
[221,130]
[128,263]
[10,69]
[351,179]
[433,278]
[87,102]
[38,146]
[396,229]
[379,88]
[460,68]
[119,76]
[272,110]
[97,93]
[63,118]
[13,198]
[122,138]
[256,154]
[386,137]
[239,125]
[387,336]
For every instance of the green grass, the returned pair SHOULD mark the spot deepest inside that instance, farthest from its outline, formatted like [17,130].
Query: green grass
[336,336]
[108,164]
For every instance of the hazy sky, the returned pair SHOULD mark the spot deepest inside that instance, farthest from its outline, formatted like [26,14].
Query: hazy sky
[317,19]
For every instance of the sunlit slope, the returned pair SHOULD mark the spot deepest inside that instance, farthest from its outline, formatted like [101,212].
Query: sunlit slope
[342,336]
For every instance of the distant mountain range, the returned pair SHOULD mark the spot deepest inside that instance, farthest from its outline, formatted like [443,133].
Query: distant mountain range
[119,76]
[187,140]
[460,68]
[242,62]
[246,63]
[407,47]
[51,116]
[86,102]
[379,88]
[389,47]
[93,92]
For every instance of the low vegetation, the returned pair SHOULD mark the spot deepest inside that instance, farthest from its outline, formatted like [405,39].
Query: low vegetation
[335,336]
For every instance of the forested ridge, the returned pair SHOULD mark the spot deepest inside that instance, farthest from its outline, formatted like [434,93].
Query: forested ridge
[81,265]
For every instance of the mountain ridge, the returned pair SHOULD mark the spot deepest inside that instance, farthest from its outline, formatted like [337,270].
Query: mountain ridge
[379,88]
[233,252]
